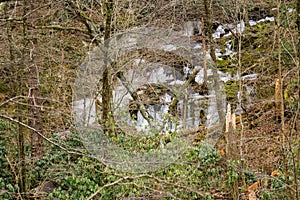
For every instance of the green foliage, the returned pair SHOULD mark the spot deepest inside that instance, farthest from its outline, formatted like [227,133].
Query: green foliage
[73,187]
[78,177]
[224,65]
[7,185]
[201,169]
[279,189]
[290,95]
[72,174]
[232,173]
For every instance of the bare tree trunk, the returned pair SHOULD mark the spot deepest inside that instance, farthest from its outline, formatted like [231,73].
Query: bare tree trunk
[22,162]
[135,97]
[208,31]
[34,87]
[279,82]
[21,130]
[231,147]
[107,117]
[204,53]
[245,17]
[279,97]
[298,105]
[245,13]
[35,116]
[298,26]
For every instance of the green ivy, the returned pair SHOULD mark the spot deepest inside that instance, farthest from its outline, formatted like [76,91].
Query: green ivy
[7,186]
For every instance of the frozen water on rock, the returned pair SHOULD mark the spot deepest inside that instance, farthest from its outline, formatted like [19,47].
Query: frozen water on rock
[252,23]
[228,48]
[218,54]
[187,70]
[192,28]
[176,82]
[271,19]
[198,46]
[85,111]
[138,61]
[224,76]
[240,27]
[250,77]
[165,74]
[166,98]
[169,47]
[220,30]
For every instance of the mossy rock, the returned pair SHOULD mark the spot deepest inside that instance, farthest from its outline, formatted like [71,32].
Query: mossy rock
[225,65]
[231,90]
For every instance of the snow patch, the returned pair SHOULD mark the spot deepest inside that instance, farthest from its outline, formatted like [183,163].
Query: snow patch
[169,47]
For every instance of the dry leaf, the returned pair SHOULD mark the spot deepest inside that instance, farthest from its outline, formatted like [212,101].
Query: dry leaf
[251,195]
[222,153]
[254,186]
[275,173]
[251,190]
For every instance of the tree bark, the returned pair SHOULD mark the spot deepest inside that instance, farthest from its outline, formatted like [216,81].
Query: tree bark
[298,47]
[298,26]
[22,162]
[204,53]
[208,31]
[33,84]
[107,118]
[135,97]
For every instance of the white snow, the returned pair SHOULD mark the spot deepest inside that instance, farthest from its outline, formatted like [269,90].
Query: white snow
[177,82]
[138,61]
[198,46]
[220,30]
[169,47]
[240,27]
[271,19]
[250,77]
[252,22]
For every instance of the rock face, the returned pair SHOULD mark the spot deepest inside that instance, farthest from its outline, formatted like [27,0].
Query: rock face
[150,95]
[192,28]
[155,77]
[161,91]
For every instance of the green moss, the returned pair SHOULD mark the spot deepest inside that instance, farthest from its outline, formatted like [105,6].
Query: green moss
[231,89]
[3,88]
[224,65]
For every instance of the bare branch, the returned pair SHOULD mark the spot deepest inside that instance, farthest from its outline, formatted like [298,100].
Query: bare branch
[75,152]
[61,28]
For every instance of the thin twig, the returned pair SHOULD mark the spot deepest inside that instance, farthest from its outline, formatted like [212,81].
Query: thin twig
[61,28]
[114,183]
[147,176]
[47,139]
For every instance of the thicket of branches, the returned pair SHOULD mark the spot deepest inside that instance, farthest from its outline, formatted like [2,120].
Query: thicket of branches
[43,43]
